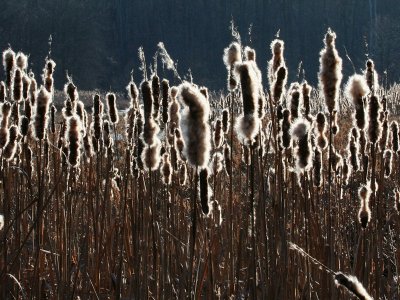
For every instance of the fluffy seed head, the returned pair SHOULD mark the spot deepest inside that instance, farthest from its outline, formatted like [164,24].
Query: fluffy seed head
[41,113]
[352,284]
[374,124]
[232,54]
[205,191]
[330,74]
[112,108]
[164,101]
[22,61]
[364,214]
[196,131]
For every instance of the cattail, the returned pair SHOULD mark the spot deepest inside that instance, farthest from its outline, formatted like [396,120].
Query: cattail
[15,112]
[277,60]
[317,171]
[107,140]
[174,114]
[247,125]
[279,84]
[2,92]
[182,174]
[352,284]
[394,131]
[388,162]
[306,92]
[353,150]
[371,76]
[41,110]
[164,101]
[97,116]
[22,61]
[205,191]
[4,132]
[346,169]
[300,130]
[322,140]
[374,124]
[11,147]
[73,138]
[112,108]
[71,91]
[356,89]
[232,55]
[225,121]
[363,141]
[32,88]
[26,82]
[155,86]
[294,95]
[216,164]
[364,214]
[53,111]
[166,170]
[88,145]
[335,124]
[1,222]
[48,75]
[218,133]
[397,200]
[17,85]
[9,64]
[174,158]
[196,131]
[286,139]
[385,132]
[227,159]
[151,156]
[24,126]
[330,75]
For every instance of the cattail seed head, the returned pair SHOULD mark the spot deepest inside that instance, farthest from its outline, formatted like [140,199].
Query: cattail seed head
[26,82]
[24,125]
[371,76]
[205,191]
[356,89]
[151,156]
[388,162]
[112,108]
[218,138]
[294,95]
[353,151]
[147,99]
[352,284]
[41,113]
[225,120]
[232,55]
[317,171]
[278,85]
[300,129]
[394,132]
[217,163]
[155,86]
[277,60]
[2,92]
[32,88]
[22,61]
[71,91]
[364,214]
[286,138]
[374,124]
[330,74]
[73,139]
[166,169]
[17,85]
[9,64]
[11,147]
[196,131]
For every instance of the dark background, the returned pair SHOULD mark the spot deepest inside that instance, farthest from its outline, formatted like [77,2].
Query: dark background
[97,40]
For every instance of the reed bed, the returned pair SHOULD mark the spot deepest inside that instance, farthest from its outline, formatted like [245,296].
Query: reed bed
[271,191]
